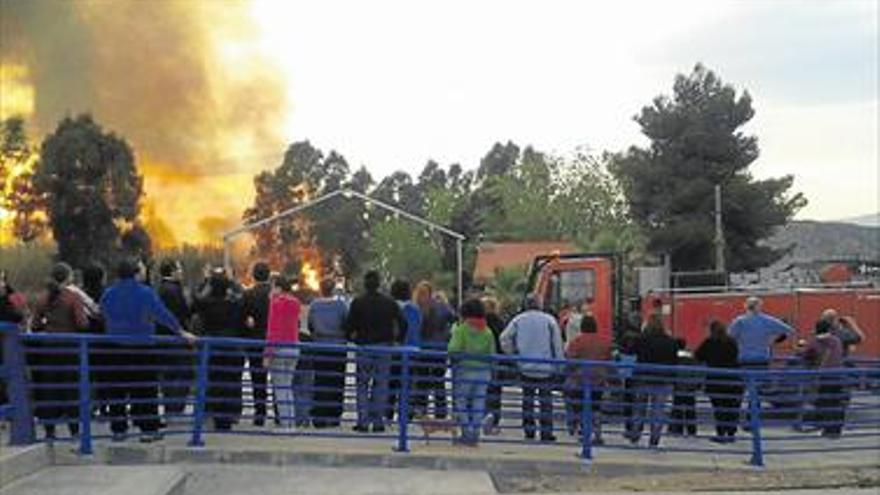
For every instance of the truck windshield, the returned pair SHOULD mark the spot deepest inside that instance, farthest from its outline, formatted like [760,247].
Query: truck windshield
[570,287]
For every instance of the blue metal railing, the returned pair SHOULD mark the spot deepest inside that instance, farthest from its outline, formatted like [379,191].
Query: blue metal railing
[88,381]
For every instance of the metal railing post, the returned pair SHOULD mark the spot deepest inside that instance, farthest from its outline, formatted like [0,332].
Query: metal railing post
[403,401]
[755,421]
[85,400]
[22,429]
[586,415]
[201,396]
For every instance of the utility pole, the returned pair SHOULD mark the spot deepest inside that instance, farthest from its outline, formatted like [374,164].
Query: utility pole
[719,232]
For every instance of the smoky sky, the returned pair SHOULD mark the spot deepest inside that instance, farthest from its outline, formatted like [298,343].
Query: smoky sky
[150,71]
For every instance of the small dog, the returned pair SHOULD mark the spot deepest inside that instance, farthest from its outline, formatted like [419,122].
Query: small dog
[431,426]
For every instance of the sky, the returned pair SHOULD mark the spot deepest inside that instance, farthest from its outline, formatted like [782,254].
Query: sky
[391,84]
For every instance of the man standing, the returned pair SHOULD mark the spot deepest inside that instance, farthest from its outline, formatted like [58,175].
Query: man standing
[130,309]
[256,313]
[326,323]
[755,333]
[534,334]
[844,328]
[374,319]
[176,376]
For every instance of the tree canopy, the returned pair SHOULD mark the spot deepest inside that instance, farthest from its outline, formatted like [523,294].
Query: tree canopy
[696,142]
[92,192]
[20,199]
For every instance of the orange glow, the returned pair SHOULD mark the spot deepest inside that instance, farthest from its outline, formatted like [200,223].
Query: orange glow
[16,91]
[311,276]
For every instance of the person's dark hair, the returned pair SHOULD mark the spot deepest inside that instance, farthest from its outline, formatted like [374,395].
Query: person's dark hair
[400,290]
[717,329]
[327,287]
[681,343]
[628,341]
[127,268]
[589,324]
[473,308]
[218,284]
[284,282]
[93,280]
[823,326]
[372,281]
[59,274]
[167,267]
[260,272]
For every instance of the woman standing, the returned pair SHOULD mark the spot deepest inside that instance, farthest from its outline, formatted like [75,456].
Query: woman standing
[471,375]
[58,310]
[279,358]
[220,312]
[720,350]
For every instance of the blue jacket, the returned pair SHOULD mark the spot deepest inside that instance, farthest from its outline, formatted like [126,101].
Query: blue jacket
[413,317]
[132,308]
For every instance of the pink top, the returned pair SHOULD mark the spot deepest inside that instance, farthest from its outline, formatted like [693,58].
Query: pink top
[283,325]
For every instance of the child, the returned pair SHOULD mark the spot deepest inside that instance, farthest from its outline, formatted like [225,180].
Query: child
[471,375]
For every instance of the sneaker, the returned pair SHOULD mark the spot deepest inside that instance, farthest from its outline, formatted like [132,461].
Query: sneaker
[719,439]
[832,435]
[259,422]
[654,443]
[530,435]
[548,438]
[118,436]
[360,429]
[378,428]
[598,442]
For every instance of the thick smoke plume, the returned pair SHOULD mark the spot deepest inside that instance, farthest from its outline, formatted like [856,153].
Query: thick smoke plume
[183,80]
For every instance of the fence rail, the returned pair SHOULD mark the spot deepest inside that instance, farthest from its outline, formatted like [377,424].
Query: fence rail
[101,386]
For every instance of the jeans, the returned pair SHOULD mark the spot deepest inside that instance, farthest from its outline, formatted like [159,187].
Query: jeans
[304,381]
[469,387]
[373,371]
[429,375]
[542,387]
[650,404]
[282,369]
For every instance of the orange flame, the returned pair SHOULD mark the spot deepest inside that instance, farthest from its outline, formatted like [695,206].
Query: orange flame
[311,276]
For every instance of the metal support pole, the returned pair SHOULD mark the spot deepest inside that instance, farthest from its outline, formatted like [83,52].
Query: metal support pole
[459,268]
[22,428]
[85,400]
[719,232]
[201,396]
[403,400]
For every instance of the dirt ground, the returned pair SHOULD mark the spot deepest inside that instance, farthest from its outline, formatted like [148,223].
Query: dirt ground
[692,482]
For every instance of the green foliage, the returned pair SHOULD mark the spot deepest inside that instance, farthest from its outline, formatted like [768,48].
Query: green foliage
[403,249]
[92,192]
[508,286]
[697,142]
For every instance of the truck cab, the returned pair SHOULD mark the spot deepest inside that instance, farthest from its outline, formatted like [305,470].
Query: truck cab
[563,281]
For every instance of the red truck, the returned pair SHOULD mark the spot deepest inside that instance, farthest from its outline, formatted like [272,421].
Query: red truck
[564,279]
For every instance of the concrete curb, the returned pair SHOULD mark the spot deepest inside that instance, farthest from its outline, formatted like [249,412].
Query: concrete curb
[18,462]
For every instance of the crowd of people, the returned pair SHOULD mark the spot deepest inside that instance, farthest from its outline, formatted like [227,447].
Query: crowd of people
[639,372]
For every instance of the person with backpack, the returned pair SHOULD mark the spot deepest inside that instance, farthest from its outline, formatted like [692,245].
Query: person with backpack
[535,335]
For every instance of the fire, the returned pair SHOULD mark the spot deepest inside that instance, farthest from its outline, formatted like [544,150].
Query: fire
[311,276]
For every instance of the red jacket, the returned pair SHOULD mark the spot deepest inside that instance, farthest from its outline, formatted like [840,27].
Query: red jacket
[283,322]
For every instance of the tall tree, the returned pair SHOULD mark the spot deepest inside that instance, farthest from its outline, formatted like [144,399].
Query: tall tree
[93,193]
[696,143]
[20,199]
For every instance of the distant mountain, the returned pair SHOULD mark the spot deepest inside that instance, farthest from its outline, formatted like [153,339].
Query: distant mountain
[869,220]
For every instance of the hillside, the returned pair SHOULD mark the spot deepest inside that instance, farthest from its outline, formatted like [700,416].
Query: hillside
[821,241]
